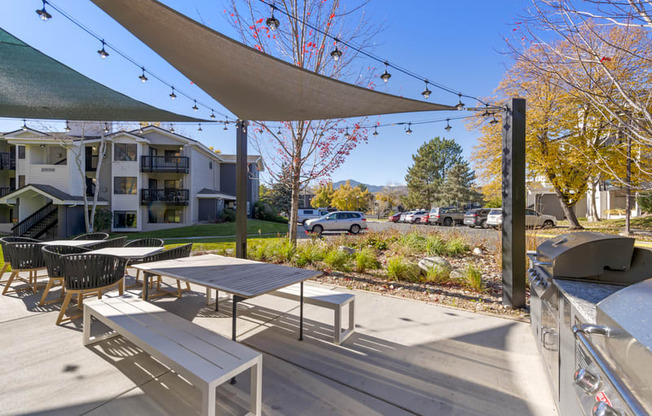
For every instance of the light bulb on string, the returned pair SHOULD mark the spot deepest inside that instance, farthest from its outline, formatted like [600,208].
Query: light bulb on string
[44,13]
[375,133]
[486,111]
[279,132]
[194,107]
[24,125]
[494,121]
[448,125]
[426,93]
[172,94]
[460,105]
[140,129]
[106,128]
[142,76]
[386,75]
[225,127]
[336,53]
[199,129]
[409,129]
[347,135]
[67,128]
[171,128]
[103,53]
[272,22]
[212,114]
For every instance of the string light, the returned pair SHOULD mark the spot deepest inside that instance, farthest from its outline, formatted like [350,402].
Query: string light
[171,128]
[24,125]
[486,111]
[460,105]
[448,125]
[375,133]
[172,94]
[386,75]
[279,132]
[426,93]
[140,129]
[212,114]
[336,53]
[409,130]
[103,53]
[194,107]
[225,127]
[67,128]
[106,128]
[199,129]
[44,13]
[272,22]
[347,135]
[142,76]
[493,121]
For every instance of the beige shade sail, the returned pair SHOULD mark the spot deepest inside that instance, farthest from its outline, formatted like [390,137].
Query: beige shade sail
[251,84]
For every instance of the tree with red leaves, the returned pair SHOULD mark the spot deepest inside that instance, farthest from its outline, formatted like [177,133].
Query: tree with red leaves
[306,151]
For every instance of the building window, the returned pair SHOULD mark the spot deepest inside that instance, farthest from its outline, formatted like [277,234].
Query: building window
[172,184]
[21,152]
[210,165]
[125,185]
[124,219]
[173,216]
[124,152]
[152,218]
[21,181]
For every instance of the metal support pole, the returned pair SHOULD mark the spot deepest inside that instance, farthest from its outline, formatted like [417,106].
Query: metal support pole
[513,233]
[241,179]
[301,314]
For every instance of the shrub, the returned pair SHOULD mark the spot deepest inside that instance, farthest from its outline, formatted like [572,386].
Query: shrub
[365,259]
[414,241]
[474,277]
[338,260]
[309,254]
[228,215]
[280,250]
[456,246]
[645,202]
[438,274]
[398,268]
[435,245]
[102,220]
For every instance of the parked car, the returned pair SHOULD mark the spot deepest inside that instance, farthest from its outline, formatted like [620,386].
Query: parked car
[403,215]
[446,216]
[338,221]
[307,214]
[416,217]
[534,219]
[395,217]
[495,218]
[476,217]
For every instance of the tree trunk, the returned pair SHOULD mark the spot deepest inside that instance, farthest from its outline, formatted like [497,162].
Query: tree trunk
[294,209]
[594,215]
[100,157]
[569,212]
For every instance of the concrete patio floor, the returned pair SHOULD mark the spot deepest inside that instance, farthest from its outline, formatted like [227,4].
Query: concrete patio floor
[406,358]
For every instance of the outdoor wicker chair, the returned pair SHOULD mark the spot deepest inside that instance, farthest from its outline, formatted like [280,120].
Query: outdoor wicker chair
[114,242]
[5,257]
[92,236]
[52,256]
[145,242]
[89,274]
[173,253]
[24,257]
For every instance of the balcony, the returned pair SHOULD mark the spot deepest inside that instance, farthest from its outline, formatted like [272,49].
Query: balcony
[7,161]
[167,196]
[178,164]
[6,190]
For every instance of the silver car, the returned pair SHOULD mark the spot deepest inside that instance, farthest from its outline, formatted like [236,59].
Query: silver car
[351,221]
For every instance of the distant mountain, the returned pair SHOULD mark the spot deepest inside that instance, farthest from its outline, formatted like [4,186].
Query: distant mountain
[372,188]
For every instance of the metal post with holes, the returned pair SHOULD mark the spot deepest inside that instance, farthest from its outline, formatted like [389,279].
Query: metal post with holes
[513,230]
[241,176]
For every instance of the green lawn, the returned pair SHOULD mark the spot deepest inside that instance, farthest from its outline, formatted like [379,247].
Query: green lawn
[254,227]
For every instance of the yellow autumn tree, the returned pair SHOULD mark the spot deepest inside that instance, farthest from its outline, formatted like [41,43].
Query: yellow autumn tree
[324,196]
[348,198]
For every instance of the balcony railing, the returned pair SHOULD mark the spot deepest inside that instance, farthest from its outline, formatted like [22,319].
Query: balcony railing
[6,190]
[167,196]
[179,164]
[7,161]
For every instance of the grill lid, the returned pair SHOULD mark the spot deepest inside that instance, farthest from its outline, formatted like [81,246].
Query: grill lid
[586,254]
[628,314]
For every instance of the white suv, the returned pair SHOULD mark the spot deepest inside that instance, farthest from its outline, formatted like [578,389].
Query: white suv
[533,219]
[338,221]
[304,215]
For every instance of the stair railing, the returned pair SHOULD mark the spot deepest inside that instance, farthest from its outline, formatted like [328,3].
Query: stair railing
[22,227]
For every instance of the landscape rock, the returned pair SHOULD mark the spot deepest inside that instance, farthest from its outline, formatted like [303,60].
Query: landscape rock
[477,251]
[457,274]
[427,263]
[348,250]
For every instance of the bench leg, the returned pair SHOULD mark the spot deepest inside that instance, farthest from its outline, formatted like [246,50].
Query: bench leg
[209,401]
[341,336]
[256,406]
[338,325]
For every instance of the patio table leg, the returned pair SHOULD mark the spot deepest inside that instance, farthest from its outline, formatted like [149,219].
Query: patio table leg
[145,285]
[301,315]
[236,299]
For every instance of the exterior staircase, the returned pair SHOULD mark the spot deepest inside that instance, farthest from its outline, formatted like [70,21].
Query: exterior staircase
[38,223]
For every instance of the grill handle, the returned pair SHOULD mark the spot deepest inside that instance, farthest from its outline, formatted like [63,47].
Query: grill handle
[581,332]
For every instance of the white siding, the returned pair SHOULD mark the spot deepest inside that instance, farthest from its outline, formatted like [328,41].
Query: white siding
[201,176]
[128,169]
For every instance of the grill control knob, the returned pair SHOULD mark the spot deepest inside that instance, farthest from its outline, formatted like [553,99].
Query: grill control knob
[603,409]
[587,381]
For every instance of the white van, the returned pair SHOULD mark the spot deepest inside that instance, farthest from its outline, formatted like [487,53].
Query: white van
[307,214]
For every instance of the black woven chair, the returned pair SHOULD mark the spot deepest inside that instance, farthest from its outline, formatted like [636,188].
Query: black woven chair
[92,236]
[145,242]
[25,257]
[114,242]
[89,274]
[52,257]
[173,253]
[5,256]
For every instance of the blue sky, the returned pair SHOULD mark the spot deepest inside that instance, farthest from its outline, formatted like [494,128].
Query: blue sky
[458,44]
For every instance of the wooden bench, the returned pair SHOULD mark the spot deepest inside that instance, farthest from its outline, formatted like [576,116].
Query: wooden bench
[326,298]
[202,357]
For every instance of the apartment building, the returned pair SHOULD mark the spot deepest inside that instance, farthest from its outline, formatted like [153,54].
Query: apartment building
[149,179]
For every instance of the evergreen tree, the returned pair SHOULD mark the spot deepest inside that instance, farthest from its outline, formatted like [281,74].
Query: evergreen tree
[428,172]
[458,188]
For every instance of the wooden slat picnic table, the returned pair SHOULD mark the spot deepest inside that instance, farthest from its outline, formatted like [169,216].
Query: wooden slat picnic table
[242,278]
